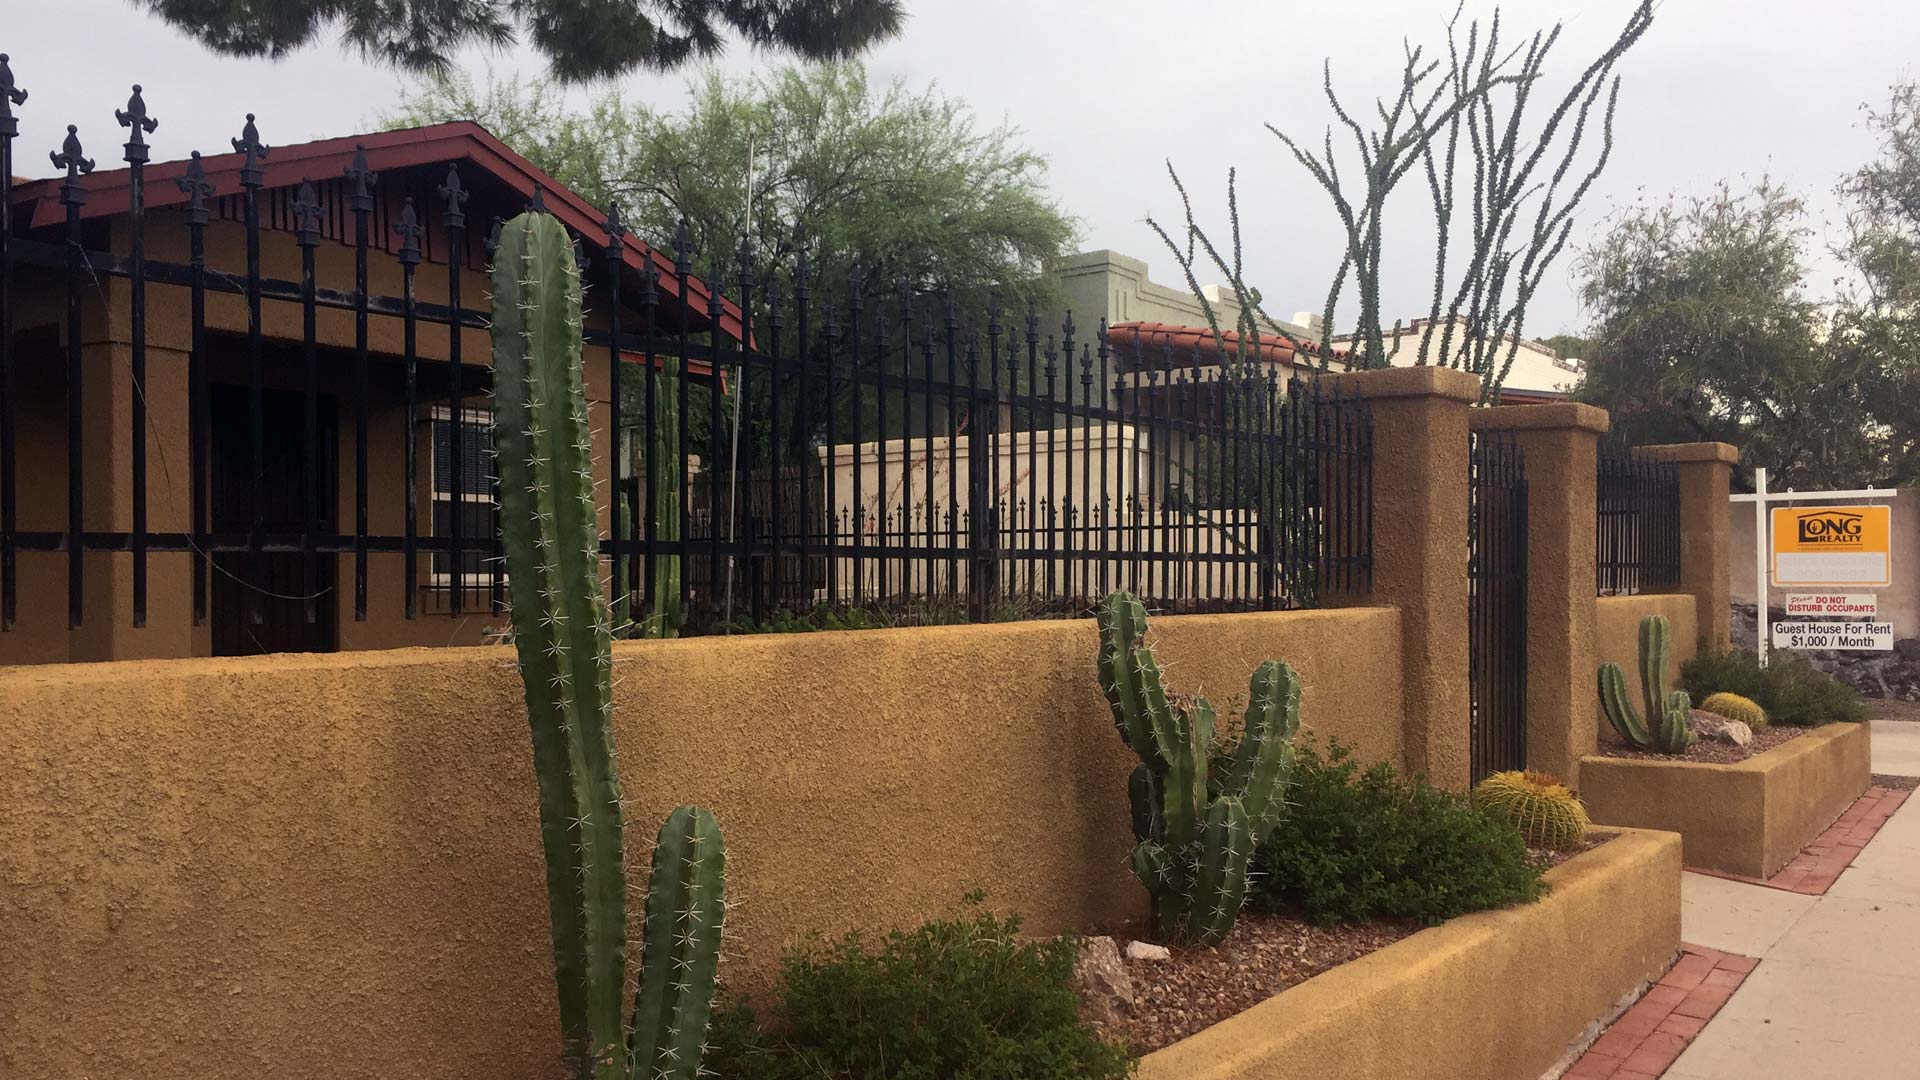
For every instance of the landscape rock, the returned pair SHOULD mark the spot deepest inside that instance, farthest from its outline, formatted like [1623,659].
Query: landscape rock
[1710,726]
[1144,950]
[1907,648]
[1106,990]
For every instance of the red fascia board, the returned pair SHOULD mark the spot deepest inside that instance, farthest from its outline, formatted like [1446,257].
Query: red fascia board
[286,166]
[700,369]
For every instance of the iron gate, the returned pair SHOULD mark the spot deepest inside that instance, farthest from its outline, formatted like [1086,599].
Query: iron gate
[1497,603]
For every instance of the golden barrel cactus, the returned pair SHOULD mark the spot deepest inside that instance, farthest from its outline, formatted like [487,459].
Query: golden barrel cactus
[1546,812]
[1735,707]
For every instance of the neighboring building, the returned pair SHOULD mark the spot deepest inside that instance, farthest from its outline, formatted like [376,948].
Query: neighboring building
[1104,284]
[295,591]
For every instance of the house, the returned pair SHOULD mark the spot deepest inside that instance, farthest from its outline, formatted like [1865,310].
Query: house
[213,449]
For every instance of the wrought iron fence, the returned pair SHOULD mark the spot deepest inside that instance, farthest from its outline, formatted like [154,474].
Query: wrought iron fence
[1637,524]
[1497,604]
[871,451]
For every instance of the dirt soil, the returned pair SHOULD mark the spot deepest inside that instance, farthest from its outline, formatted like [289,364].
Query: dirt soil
[1890,709]
[1713,750]
[1263,955]
[1896,783]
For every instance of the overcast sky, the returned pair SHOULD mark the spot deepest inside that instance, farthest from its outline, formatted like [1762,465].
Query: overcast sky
[1108,89]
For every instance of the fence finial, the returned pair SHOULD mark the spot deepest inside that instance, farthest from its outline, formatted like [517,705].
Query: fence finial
[10,95]
[135,118]
[408,229]
[71,158]
[362,177]
[256,151]
[306,215]
[195,185]
[453,217]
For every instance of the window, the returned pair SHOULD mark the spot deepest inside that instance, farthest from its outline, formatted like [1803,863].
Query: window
[479,513]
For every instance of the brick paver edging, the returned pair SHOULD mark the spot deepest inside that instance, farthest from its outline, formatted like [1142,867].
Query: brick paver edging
[1815,869]
[1650,1036]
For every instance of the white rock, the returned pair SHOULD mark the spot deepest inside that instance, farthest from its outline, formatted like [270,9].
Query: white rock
[1144,950]
[1712,726]
[1106,990]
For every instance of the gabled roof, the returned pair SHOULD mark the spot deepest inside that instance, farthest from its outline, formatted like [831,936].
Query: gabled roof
[286,166]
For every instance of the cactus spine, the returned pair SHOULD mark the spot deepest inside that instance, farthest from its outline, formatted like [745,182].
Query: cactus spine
[1194,847]
[1667,727]
[564,636]
[1540,806]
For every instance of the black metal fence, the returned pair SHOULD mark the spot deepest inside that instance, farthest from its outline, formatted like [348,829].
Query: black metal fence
[1637,525]
[883,450]
[1497,604]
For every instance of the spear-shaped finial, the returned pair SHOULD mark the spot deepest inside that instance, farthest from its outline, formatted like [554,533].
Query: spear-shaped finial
[306,215]
[195,185]
[360,198]
[10,95]
[77,164]
[451,193]
[134,117]
[256,151]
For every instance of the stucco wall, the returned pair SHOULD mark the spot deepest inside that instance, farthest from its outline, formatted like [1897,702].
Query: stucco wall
[329,865]
[1751,817]
[1496,995]
[1617,638]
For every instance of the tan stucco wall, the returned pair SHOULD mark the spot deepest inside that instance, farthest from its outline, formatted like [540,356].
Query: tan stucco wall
[329,865]
[1492,996]
[1705,472]
[1747,818]
[1617,639]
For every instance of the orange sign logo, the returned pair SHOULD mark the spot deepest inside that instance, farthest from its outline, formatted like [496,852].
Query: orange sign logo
[1832,545]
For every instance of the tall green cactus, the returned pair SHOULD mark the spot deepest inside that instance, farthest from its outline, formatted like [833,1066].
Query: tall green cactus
[564,635]
[1196,833]
[1669,711]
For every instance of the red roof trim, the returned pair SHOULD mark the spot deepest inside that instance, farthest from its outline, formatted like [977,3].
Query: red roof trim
[285,166]
[1183,340]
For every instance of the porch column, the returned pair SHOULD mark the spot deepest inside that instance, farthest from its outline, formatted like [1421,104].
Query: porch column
[1420,550]
[1560,443]
[1706,472]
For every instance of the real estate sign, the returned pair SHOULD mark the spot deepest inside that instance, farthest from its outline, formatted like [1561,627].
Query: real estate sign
[1832,605]
[1832,545]
[1856,636]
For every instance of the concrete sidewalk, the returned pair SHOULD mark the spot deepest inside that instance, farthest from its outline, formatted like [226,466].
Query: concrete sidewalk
[1837,992]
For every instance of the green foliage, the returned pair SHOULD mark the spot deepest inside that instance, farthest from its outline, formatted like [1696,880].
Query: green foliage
[581,40]
[1735,707]
[959,999]
[1197,819]
[1369,844]
[564,637]
[1668,727]
[666,617]
[1790,689]
[1545,811]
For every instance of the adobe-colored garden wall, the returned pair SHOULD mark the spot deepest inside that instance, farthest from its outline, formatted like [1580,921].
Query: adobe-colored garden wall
[1617,639]
[329,865]
[1748,818]
[1496,995]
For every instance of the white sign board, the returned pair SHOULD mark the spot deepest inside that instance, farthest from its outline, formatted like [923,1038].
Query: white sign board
[1833,605]
[1849,636]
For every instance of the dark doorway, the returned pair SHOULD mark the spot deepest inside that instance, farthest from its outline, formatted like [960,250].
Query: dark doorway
[276,600]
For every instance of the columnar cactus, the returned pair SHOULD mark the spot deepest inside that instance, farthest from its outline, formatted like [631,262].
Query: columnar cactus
[564,635]
[1196,834]
[1668,728]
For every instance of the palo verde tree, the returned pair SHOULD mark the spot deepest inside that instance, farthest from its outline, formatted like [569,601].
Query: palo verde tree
[581,39]
[1526,183]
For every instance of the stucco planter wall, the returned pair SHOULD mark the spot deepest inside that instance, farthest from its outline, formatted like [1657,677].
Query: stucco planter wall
[1747,818]
[1494,996]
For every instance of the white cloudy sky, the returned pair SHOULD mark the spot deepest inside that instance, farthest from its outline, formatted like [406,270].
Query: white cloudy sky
[1109,88]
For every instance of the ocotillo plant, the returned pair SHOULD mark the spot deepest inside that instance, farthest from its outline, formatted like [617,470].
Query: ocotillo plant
[564,635]
[1195,840]
[1668,728]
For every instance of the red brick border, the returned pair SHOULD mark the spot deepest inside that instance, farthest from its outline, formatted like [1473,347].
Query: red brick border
[1650,1036]
[1815,869]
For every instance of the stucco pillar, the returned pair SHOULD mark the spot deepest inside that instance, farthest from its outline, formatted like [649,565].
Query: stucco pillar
[1420,550]
[1706,471]
[1560,444]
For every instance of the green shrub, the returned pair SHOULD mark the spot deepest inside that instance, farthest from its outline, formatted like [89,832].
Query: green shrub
[1789,688]
[1359,845]
[960,999]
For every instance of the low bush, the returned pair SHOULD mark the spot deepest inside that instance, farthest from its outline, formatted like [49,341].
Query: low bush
[1369,844]
[959,999]
[1789,688]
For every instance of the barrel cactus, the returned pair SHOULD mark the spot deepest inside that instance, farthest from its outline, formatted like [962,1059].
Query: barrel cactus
[564,633]
[1735,707]
[1545,811]
[1195,830]
[1667,728]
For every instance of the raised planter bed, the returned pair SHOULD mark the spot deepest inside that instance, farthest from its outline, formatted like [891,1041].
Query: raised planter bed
[1496,996]
[1747,818]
